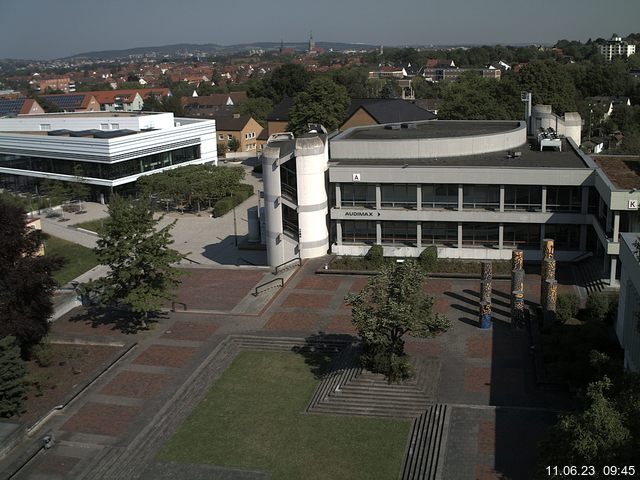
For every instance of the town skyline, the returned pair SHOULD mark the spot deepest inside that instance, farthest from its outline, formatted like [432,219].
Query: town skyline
[92,26]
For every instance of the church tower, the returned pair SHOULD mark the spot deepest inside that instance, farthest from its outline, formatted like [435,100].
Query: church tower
[312,43]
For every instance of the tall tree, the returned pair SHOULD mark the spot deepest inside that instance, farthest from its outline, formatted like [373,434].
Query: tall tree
[322,102]
[392,305]
[26,284]
[142,273]
[286,80]
[12,384]
[257,108]
[549,83]
[354,79]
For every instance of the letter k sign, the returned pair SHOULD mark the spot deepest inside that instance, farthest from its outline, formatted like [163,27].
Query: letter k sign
[633,205]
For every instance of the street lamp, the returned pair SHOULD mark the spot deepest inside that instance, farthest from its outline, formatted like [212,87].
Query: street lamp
[235,224]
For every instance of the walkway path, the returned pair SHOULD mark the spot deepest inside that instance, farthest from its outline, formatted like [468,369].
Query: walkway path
[495,416]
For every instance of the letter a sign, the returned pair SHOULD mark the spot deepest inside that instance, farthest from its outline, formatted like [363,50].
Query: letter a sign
[355,177]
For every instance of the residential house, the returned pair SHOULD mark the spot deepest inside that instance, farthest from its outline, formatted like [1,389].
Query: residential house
[243,128]
[377,111]
[616,47]
[74,102]
[19,106]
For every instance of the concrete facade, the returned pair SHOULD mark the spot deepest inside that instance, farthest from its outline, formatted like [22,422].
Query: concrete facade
[629,301]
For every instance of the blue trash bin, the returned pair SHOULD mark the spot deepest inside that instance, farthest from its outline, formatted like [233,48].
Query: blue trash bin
[485,321]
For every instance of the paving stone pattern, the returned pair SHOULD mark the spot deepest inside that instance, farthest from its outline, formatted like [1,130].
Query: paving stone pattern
[476,409]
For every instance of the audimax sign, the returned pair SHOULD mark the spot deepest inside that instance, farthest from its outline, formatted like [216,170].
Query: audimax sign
[361,214]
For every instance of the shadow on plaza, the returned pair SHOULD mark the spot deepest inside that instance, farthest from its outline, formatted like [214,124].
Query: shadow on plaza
[321,350]
[226,252]
[116,319]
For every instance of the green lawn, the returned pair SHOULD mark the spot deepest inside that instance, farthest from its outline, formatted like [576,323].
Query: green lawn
[91,225]
[79,259]
[253,419]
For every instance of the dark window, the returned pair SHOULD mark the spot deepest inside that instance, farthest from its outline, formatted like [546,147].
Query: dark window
[523,197]
[399,232]
[440,233]
[398,195]
[483,197]
[358,195]
[521,235]
[358,232]
[480,234]
[288,180]
[564,199]
[566,237]
[439,196]
[290,222]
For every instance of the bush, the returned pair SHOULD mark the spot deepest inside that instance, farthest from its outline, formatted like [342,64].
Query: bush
[376,358]
[222,206]
[597,307]
[222,149]
[429,258]
[375,256]
[41,353]
[567,307]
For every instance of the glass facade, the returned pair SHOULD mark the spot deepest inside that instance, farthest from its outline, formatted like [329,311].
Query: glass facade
[564,199]
[566,237]
[358,232]
[439,196]
[290,222]
[399,232]
[440,233]
[358,195]
[521,235]
[481,197]
[106,171]
[399,195]
[480,234]
[526,198]
[288,180]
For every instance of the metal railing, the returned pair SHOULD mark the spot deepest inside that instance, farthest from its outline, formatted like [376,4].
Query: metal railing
[287,264]
[268,285]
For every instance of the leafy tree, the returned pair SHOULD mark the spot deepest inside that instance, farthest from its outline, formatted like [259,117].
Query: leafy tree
[26,284]
[286,80]
[79,190]
[390,89]
[258,108]
[222,149]
[597,306]
[354,79]
[567,307]
[392,305]
[323,101]
[12,383]
[233,145]
[549,84]
[477,98]
[596,435]
[141,272]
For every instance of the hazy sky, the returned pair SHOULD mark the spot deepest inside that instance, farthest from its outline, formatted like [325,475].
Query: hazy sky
[50,29]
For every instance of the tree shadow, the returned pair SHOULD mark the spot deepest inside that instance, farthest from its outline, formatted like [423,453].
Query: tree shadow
[116,319]
[321,350]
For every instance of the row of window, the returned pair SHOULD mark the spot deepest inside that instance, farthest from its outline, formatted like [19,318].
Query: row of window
[107,171]
[480,197]
[515,235]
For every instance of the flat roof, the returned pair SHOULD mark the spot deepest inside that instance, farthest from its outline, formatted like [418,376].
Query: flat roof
[622,170]
[429,129]
[530,157]
[89,114]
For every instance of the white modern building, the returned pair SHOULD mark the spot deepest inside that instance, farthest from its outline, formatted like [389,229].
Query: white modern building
[628,321]
[616,47]
[112,150]
[474,189]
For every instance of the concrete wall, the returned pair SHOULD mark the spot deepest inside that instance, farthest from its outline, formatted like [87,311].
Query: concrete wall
[86,121]
[629,302]
[431,147]
[276,251]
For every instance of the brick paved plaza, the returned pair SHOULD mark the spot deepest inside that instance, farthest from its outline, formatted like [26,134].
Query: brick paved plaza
[485,376]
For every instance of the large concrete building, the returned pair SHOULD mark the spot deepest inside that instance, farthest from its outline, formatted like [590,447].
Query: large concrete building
[111,149]
[474,189]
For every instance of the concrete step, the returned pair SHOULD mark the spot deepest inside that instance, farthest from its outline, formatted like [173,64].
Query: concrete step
[427,444]
[367,411]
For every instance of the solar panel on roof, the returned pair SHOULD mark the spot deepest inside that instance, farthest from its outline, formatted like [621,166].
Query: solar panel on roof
[11,107]
[67,101]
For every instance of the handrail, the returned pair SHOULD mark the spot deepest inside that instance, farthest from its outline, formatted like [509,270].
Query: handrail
[256,292]
[296,259]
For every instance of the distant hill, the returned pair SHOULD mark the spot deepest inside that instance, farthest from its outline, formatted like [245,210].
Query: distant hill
[212,49]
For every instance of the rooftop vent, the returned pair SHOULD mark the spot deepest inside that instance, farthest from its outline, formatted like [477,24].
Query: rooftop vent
[395,126]
[412,126]
[511,154]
